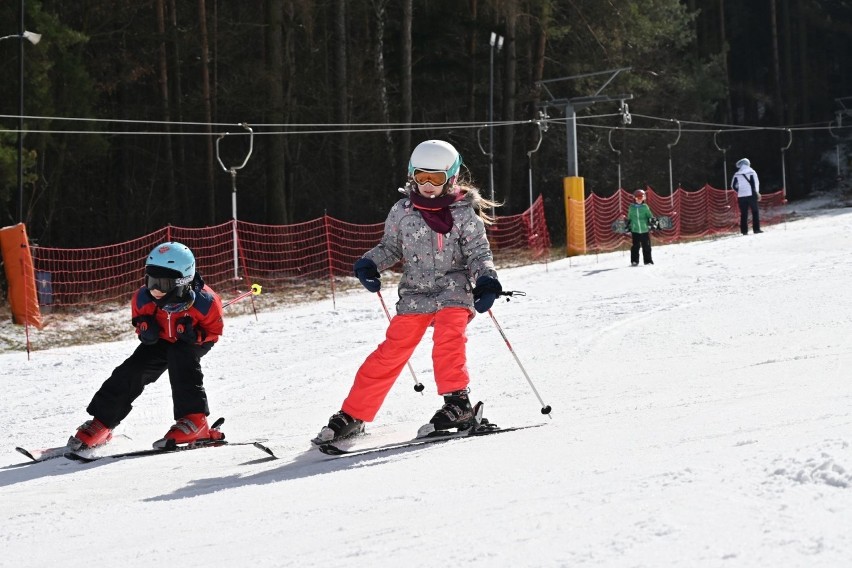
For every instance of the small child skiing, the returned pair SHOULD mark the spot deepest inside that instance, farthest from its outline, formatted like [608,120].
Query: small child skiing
[178,320]
[640,220]
[438,232]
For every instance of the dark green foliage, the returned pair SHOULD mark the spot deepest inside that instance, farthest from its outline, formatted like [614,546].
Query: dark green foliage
[90,182]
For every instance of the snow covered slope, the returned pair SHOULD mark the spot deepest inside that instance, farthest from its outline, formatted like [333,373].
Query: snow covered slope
[702,416]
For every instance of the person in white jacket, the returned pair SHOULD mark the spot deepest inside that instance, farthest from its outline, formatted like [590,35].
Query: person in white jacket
[747,186]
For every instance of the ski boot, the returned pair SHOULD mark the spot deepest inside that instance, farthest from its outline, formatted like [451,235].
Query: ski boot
[91,434]
[340,426]
[190,429]
[457,413]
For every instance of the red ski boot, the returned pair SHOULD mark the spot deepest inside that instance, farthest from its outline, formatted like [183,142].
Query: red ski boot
[188,430]
[91,434]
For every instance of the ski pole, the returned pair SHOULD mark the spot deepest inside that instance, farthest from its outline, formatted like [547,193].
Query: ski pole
[418,386]
[255,291]
[545,409]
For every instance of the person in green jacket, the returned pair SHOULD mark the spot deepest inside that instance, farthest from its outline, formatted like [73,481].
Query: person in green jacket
[639,221]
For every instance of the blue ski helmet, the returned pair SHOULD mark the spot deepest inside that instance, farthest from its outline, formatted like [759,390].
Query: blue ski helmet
[170,268]
[174,256]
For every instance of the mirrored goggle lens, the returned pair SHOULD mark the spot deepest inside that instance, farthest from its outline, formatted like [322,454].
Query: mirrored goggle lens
[162,284]
[435,178]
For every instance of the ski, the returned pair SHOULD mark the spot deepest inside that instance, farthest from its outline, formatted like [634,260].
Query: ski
[86,454]
[264,448]
[44,454]
[80,456]
[434,438]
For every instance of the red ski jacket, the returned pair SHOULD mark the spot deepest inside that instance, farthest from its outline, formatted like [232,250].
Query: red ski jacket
[205,311]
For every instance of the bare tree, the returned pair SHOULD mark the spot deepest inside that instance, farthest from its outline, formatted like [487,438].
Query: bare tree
[407,114]
[276,201]
[342,89]
[171,211]
[177,97]
[509,101]
[776,64]
[723,42]
[380,10]
[208,111]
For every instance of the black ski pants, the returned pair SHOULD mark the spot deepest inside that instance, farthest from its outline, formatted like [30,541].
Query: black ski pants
[745,204]
[113,401]
[641,240]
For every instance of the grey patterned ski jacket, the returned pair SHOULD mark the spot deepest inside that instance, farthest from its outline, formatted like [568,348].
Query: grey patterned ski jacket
[437,269]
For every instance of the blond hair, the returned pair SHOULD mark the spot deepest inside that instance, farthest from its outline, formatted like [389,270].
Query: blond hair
[480,203]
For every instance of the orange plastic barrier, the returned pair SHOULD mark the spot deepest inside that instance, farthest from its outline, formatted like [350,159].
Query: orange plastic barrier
[18,263]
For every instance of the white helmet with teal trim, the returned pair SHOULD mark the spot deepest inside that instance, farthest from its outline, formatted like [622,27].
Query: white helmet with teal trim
[744,162]
[435,156]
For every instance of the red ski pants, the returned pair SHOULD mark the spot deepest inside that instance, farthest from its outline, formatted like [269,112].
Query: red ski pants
[382,367]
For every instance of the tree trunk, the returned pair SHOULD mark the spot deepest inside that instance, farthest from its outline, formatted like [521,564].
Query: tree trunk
[172,207]
[804,66]
[407,114]
[776,64]
[471,55]
[188,213]
[342,91]
[276,201]
[208,111]
[723,41]
[788,64]
[509,91]
[380,9]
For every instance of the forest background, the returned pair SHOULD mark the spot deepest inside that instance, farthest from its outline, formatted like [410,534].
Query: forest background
[125,100]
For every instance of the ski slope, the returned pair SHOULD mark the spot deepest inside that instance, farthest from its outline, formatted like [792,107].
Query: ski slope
[702,417]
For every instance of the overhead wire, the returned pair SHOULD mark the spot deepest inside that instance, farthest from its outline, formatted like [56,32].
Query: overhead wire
[290,129]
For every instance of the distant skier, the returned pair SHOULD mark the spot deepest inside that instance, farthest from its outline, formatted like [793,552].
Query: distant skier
[178,320]
[639,222]
[438,232]
[747,186]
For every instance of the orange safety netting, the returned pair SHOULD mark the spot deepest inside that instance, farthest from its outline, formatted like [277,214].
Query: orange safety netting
[701,213]
[234,255]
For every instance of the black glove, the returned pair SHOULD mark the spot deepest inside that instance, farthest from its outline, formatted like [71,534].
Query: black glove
[147,328]
[368,274]
[485,292]
[654,223]
[186,332]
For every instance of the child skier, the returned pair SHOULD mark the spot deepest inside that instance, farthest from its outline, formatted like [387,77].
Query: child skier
[178,319]
[639,220]
[438,232]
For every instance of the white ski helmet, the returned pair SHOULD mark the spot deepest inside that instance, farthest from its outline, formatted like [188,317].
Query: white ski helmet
[435,156]
[743,162]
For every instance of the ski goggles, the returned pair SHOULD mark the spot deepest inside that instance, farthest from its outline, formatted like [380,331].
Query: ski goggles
[164,284]
[435,178]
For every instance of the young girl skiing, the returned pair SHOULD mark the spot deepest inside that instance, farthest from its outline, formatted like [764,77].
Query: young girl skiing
[438,232]
[639,220]
[178,320]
